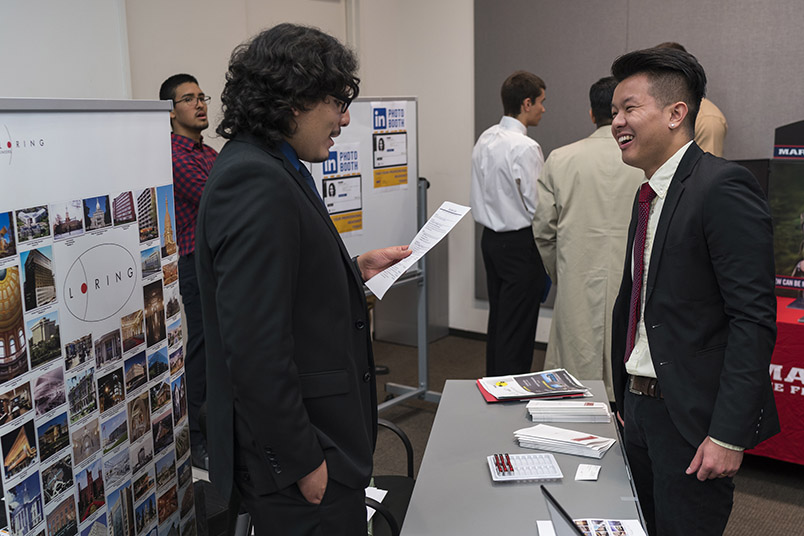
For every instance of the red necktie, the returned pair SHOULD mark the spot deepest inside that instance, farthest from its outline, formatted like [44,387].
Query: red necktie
[646,195]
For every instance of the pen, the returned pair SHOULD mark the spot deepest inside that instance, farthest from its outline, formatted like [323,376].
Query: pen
[508,460]
[499,462]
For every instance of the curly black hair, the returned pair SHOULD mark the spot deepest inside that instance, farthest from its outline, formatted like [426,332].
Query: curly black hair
[285,68]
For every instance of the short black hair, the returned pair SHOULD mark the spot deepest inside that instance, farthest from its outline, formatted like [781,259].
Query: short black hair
[519,86]
[600,95]
[168,89]
[285,68]
[675,76]
[672,44]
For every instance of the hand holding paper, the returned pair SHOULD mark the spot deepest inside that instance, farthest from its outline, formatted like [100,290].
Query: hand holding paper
[436,228]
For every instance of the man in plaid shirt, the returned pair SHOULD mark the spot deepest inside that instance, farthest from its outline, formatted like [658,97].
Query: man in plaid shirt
[192,160]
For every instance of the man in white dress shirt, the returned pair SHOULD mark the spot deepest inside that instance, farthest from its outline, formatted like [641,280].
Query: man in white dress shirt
[505,166]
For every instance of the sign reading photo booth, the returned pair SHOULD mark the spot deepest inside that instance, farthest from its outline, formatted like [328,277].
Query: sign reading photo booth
[341,188]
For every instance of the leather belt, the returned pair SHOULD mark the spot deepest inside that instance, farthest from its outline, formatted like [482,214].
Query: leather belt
[645,386]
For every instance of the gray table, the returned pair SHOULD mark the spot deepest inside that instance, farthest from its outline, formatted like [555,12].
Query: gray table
[454,493]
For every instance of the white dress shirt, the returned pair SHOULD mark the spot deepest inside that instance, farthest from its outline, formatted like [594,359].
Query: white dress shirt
[640,363]
[505,166]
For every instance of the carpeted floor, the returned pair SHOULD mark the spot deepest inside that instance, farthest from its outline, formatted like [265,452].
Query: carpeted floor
[769,496]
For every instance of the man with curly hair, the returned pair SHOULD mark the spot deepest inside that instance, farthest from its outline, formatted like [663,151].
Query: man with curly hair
[291,393]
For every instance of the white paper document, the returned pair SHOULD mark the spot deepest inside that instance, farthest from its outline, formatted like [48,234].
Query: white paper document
[436,228]
[587,472]
[378,495]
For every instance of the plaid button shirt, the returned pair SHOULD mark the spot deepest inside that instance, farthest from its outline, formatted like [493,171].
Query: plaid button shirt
[191,164]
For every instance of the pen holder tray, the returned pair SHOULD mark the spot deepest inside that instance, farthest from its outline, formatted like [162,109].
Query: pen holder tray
[534,467]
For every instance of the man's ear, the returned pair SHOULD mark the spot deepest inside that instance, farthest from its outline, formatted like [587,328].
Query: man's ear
[678,112]
[592,116]
[526,105]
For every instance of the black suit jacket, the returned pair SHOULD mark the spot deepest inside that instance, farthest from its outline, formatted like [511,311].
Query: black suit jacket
[710,309]
[289,362]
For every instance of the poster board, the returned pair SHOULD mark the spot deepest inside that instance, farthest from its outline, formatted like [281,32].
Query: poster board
[93,411]
[370,182]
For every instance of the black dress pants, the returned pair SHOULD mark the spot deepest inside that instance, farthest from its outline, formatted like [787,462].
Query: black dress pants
[515,277]
[195,356]
[342,511]
[673,503]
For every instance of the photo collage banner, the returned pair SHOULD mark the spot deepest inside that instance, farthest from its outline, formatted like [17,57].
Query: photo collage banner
[94,434]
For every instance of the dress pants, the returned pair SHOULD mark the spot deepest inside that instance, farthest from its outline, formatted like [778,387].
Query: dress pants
[673,503]
[515,277]
[342,511]
[195,357]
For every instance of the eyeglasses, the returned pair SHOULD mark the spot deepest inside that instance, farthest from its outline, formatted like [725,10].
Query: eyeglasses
[343,101]
[191,100]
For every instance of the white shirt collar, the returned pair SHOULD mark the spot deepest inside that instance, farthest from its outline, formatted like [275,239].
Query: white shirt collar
[660,181]
[511,123]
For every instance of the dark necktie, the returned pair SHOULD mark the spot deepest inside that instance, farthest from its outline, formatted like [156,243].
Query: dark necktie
[310,182]
[646,195]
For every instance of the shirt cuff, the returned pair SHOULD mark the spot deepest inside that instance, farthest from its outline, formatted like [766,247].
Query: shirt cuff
[726,445]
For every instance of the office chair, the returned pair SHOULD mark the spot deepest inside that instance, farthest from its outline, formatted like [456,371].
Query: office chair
[400,488]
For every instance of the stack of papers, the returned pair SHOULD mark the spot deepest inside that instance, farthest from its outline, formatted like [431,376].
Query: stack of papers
[545,437]
[568,411]
[555,383]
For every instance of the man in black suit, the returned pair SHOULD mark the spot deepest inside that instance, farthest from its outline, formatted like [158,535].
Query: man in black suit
[694,321]
[292,408]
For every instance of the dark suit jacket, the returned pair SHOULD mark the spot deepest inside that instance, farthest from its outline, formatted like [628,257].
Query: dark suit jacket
[289,363]
[710,309]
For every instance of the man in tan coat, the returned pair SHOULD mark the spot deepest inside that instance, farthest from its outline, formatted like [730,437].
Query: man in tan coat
[585,197]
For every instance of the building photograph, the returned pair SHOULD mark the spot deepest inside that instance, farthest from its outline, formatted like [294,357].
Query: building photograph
[151,262]
[165,470]
[174,333]
[185,472]
[186,500]
[96,528]
[78,352]
[25,505]
[108,348]
[68,219]
[141,455]
[170,274]
[167,220]
[121,511]
[57,478]
[61,521]
[167,504]
[114,431]
[131,327]
[90,490]
[145,514]
[139,417]
[15,403]
[123,210]
[32,223]
[163,432]
[176,360]
[85,441]
[81,394]
[38,278]
[110,390]
[13,344]
[96,213]
[182,441]
[188,527]
[135,371]
[54,436]
[160,395]
[8,246]
[154,313]
[19,449]
[172,300]
[158,363]
[146,215]
[179,388]
[116,469]
[143,484]
[49,391]
[44,341]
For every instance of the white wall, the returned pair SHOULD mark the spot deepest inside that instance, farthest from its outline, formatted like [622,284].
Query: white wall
[53,48]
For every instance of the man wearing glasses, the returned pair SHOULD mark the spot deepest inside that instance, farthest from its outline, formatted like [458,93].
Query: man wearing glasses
[192,160]
[291,395]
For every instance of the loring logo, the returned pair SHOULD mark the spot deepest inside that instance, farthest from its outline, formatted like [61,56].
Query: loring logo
[100,282]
